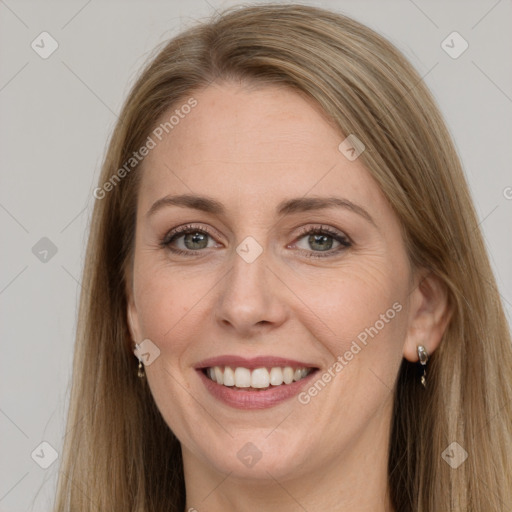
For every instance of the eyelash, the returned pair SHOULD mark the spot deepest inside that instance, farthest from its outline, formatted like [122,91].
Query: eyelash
[321,230]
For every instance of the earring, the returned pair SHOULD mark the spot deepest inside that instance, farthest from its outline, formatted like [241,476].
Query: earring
[423,357]
[140,371]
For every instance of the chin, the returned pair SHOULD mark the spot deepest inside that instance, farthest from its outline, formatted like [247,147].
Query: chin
[256,456]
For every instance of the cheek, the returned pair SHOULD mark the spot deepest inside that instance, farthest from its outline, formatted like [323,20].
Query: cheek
[361,323]
[169,309]
[367,327]
[354,297]
[165,298]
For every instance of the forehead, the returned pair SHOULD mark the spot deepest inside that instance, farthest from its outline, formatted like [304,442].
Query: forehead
[245,144]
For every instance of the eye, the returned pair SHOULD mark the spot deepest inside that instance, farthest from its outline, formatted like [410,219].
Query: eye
[322,239]
[189,239]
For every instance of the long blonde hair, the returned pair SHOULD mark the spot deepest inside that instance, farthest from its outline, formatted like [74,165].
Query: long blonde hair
[119,454]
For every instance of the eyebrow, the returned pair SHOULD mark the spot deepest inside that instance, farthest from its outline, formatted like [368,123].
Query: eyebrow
[289,206]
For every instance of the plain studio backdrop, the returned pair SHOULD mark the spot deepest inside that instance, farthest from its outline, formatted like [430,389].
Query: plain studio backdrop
[65,69]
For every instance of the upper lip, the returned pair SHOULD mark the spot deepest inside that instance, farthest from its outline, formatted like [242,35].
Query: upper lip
[254,362]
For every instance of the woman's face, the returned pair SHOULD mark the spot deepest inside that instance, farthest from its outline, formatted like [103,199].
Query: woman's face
[250,286]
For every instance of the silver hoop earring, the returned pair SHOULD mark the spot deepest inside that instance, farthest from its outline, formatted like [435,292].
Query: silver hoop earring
[423,357]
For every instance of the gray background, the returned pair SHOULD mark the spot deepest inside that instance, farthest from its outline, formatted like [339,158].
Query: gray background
[57,114]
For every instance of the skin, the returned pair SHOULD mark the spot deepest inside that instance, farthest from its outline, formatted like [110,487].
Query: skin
[250,148]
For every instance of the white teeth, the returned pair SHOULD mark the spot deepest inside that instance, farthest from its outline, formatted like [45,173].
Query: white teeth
[288,375]
[276,376]
[219,377]
[259,378]
[242,378]
[229,376]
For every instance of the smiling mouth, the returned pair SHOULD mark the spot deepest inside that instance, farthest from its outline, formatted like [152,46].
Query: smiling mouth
[257,379]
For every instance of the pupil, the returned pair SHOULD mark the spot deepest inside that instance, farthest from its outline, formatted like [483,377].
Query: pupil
[320,240]
[196,238]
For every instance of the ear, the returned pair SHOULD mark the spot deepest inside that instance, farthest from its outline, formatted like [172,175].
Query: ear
[429,315]
[133,318]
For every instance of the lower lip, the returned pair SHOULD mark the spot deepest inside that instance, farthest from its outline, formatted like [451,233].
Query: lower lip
[241,399]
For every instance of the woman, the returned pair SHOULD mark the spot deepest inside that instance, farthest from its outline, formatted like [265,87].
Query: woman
[290,305]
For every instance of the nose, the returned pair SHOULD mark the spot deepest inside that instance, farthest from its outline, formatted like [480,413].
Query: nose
[251,300]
